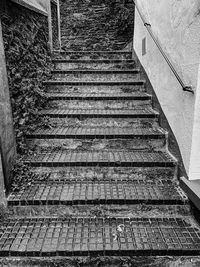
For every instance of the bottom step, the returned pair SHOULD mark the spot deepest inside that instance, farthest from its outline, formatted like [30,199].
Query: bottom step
[99,236]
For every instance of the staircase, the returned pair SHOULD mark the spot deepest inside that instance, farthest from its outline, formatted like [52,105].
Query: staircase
[109,184]
[105,183]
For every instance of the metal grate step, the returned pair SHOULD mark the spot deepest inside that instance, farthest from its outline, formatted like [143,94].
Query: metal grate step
[55,158]
[96,192]
[98,132]
[90,96]
[97,113]
[99,236]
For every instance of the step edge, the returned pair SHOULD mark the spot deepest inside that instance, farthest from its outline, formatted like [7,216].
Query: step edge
[192,190]
[96,71]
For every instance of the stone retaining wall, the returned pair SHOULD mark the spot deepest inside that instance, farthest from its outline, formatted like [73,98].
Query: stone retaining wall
[25,36]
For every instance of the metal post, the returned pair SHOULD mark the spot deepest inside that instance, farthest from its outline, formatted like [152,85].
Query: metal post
[50,25]
[59,28]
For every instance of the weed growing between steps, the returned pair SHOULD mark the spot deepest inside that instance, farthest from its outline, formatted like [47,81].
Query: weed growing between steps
[23,176]
[25,35]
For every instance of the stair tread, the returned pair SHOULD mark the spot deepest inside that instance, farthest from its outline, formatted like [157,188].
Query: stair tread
[96,192]
[88,131]
[86,235]
[134,95]
[54,157]
[92,51]
[62,60]
[92,112]
[96,71]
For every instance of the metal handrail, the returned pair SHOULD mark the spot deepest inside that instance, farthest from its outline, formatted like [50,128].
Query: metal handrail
[185,87]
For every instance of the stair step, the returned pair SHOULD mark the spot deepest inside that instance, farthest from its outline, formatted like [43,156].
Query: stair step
[95,71]
[90,52]
[82,236]
[95,75]
[91,96]
[97,132]
[104,83]
[88,61]
[96,192]
[102,64]
[96,89]
[94,113]
[114,54]
[150,175]
[58,157]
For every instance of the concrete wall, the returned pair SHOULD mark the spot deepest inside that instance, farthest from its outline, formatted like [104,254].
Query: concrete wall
[177,26]
[37,5]
[7,141]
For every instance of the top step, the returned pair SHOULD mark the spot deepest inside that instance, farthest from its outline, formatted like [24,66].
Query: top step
[114,54]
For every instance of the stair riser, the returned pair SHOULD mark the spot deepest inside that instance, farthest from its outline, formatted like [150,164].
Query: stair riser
[97,66]
[64,211]
[99,164]
[97,145]
[100,105]
[79,44]
[95,89]
[92,136]
[94,83]
[96,77]
[89,252]
[94,61]
[83,98]
[93,55]
[159,176]
[85,116]
[50,202]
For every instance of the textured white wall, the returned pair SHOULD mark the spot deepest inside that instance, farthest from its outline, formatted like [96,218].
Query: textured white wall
[38,5]
[176,23]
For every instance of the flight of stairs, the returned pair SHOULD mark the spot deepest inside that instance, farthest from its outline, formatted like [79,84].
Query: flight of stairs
[102,181]
[105,181]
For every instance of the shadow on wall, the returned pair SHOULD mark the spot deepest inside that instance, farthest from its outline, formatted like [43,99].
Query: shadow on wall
[172,142]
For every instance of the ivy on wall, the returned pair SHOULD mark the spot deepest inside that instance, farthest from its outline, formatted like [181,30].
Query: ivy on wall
[96,24]
[25,35]
[121,14]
